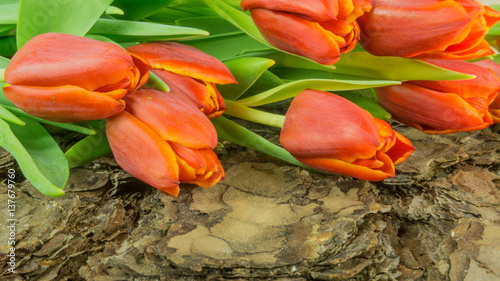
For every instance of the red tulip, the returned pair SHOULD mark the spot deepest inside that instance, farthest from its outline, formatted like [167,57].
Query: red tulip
[318,29]
[451,29]
[188,72]
[443,107]
[494,107]
[67,78]
[163,140]
[329,133]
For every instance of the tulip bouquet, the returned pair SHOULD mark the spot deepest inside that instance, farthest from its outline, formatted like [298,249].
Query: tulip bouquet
[158,83]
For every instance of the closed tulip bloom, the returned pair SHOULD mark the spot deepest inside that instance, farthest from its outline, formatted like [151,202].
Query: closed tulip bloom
[331,134]
[450,29]
[164,140]
[188,72]
[443,107]
[67,78]
[494,107]
[321,30]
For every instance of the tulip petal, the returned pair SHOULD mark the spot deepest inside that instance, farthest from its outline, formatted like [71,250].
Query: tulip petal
[55,59]
[64,103]
[155,163]
[319,10]
[336,128]
[349,169]
[401,149]
[184,60]
[484,85]
[174,119]
[296,35]
[187,87]
[212,173]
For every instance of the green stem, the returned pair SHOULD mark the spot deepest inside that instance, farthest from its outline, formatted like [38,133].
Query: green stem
[254,115]
[2,71]
[155,82]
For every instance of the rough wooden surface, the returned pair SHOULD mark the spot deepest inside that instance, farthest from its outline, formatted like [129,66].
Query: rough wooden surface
[439,219]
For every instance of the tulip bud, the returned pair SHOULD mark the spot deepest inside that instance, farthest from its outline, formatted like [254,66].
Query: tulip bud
[331,134]
[317,29]
[67,78]
[163,140]
[428,29]
[443,107]
[188,72]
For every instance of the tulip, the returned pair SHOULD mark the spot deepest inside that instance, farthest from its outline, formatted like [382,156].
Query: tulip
[331,134]
[67,78]
[188,72]
[494,107]
[443,107]
[164,140]
[317,29]
[451,29]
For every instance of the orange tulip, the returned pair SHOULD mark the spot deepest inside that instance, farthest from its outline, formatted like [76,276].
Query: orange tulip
[318,29]
[331,134]
[443,107]
[450,29]
[188,72]
[67,78]
[494,107]
[163,140]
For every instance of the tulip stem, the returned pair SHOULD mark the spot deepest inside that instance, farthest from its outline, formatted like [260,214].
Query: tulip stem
[2,71]
[155,82]
[254,115]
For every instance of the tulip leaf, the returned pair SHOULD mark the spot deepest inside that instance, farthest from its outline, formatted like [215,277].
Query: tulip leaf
[136,10]
[246,71]
[4,62]
[88,149]
[393,68]
[8,46]
[368,104]
[64,16]
[127,31]
[214,25]
[8,116]
[232,132]
[266,81]
[8,13]
[291,89]
[112,10]
[38,155]
[234,44]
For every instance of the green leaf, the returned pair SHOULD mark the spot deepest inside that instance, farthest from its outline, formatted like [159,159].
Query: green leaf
[8,46]
[69,16]
[126,31]
[246,71]
[393,68]
[232,132]
[88,149]
[136,10]
[8,116]
[8,13]
[38,155]
[234,44]
[370,105]
[266,81]
[291,89]
[214,25]
[4,62]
